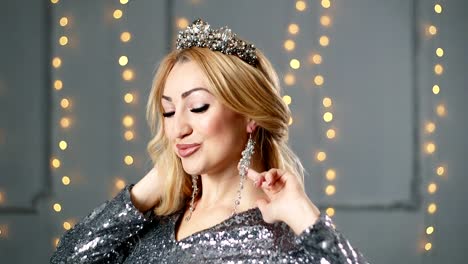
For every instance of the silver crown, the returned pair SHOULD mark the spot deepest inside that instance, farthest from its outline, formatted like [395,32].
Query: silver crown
[199,34]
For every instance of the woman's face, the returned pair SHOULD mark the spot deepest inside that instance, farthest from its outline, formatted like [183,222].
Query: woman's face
[206,135]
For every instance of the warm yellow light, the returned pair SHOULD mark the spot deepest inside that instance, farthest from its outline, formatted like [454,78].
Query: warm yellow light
[318,80]
[128,160]
[182,23]
[293,28]
[56,62]
[63,40]
[429,230]
[57,207]
[330,189]
[432,208]
[66,225]
[432,188]
[54,1]
[331,133]
[117,13]
[128,135]
[63,21]
[430,147]
[321,156]
[123,2]
[441,110]
[127,121]
[128,98]
[290,121]
[125,36]
[430,127]
[2,197]
[432,30]
[438,8]
[301,5]
[326,3]
[55,163]
[428,246]
[287,99]
[119,184]
[330,174]
[438,69]
[327,102]
[289,45]
[325,21]
[330,211]
[64,103]
[295,64]
[436,89]
[127,75]
[66,180]
[440,52]
[63,145]
[56,241]
[440,170]
[65,122]
[328,117]
[289,79]
[58,85]
[315,59]
[123,60]
[324,41]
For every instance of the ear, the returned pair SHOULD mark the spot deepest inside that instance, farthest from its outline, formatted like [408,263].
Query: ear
[251,125]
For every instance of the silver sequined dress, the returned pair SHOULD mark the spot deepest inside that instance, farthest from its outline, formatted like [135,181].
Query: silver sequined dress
[116,232]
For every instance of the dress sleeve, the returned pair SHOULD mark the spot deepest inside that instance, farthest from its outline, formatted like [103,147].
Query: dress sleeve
[327,245]
[106,235]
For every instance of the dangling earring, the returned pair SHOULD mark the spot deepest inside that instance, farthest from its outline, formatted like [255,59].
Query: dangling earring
[244,164]
[194,194]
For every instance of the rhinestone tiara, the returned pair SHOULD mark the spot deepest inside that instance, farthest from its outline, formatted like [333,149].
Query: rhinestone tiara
[200,34]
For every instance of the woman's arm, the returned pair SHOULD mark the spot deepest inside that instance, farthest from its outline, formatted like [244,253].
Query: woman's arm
[106,235]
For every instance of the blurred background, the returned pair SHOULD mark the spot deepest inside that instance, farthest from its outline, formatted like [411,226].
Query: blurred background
[377,90]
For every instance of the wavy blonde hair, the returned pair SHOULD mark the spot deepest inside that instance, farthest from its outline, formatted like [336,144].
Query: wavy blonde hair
[253,92]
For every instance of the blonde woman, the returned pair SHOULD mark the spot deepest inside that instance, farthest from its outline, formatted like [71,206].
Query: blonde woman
[225,187]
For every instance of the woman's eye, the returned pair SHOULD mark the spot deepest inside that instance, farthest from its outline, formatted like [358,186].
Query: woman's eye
[195,110]
[201,109]
[168,114]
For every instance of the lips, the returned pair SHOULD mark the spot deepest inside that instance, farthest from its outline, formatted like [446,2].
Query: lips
[186,150]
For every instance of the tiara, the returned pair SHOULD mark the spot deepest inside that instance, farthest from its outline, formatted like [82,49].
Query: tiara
[199,34]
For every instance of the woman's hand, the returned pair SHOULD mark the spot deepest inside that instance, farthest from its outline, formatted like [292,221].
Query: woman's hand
[287,202]
[148,191]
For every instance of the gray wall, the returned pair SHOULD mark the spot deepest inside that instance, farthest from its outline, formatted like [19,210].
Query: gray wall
[378,70]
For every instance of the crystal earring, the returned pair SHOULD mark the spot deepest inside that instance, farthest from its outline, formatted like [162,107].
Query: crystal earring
[194,194]
[244,164]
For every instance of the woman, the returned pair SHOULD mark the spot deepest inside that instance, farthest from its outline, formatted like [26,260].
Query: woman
[211,97]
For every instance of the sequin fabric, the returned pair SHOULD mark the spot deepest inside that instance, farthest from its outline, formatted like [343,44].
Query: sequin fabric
[116,232]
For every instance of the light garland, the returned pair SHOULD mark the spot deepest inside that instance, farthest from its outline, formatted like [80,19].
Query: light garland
[430,146]
[65,103]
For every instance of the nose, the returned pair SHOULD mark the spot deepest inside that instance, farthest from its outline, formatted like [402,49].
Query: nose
[182,125]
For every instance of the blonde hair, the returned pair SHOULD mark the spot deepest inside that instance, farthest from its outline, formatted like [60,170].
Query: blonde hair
[253,92]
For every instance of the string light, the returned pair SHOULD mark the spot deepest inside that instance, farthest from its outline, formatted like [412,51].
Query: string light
[326,3]
[315,59]
[127,75]
[289,45]
[128,160]
[63,145]
[63,21]
[127,121]
[331,174]
[318,80]
[321,156]
[301,5]
[182,23]
[287,99]
[63,40]
[295,64]
[128,98]
[56,62]
[327,117]
[293,28]
[439,52]
[440,170]
[324,41]
[117,14]
[123,60]
[125,36]
[128,135]
[438,8]
[325,21]
[289,79]
[66,180]
[120,184]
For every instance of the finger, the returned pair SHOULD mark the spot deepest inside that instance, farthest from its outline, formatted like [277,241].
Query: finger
[257,178]
[273,175]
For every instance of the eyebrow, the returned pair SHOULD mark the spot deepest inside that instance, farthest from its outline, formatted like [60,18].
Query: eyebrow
[186,93]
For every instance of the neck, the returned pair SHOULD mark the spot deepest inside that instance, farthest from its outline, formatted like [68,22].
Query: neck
[219,190]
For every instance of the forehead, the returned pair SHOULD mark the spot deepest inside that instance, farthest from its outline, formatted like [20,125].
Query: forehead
[184,76]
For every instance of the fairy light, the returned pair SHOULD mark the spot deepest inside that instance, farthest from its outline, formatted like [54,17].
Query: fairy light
[295,64]
[63,40]
[117,14]
[301,5]
[64,103]
[324,41]
[440,52]
[63,21]
[436,89]
[438,8]
[182,23]
[287,99]
[57,62]
[315,59]
[66,180]
[319,80]
[119,184]
[125,36]
[123,60]
[289,79]
[63,145]
[58,85]
[128,135]
[326,3]
[128,98]
[289,45]
[325,21]
[293,28]
[128,75]
[128,160]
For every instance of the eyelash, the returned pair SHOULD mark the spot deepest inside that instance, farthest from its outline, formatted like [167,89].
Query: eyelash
[195,110]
